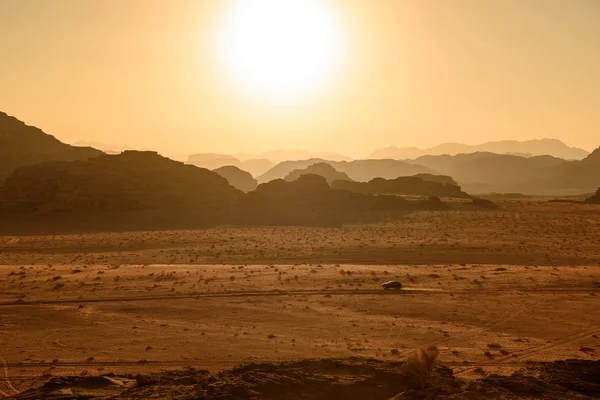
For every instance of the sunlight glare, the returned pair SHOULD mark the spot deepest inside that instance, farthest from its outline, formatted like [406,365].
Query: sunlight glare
[280,48]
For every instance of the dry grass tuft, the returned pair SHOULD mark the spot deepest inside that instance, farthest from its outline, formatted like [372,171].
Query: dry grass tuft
[420,366]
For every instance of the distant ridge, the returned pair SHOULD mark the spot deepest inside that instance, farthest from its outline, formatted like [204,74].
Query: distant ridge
[535,147]
[484,172]
[258,164]
[322,169]
[357,170]
[22,145]
[237,178]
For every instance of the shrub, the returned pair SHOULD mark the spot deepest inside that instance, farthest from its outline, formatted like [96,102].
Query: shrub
[420,366]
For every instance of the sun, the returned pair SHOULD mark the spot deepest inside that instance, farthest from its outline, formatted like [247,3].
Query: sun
[279,48]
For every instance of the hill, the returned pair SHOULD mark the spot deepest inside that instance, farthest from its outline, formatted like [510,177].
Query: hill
[322,169]
[529,148]
[130,181]
[405,185]
[594,199]
[357,170]
[309,200]
[143,190]
[237,178]
[211,161]
[290,155]
[489,172]
[22,145]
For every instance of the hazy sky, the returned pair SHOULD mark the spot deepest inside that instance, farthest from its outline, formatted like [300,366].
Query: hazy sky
[146,73]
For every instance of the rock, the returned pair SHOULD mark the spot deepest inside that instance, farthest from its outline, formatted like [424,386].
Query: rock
[237,178]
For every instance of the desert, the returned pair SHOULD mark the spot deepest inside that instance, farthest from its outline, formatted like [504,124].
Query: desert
[299,200]
[496,292]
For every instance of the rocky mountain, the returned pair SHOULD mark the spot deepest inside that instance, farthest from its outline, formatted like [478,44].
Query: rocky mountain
[130,181]
[501,173]
[443,179]
[594,199]
[527,148]
[237,178]
[143,189]
[258,164]
[405,185]
[210,161]
[358,170]
[290,155]
[322,169]
[309,200]
[22,145]
[397,153]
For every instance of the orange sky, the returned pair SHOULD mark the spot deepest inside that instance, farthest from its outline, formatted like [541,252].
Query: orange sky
[144,73]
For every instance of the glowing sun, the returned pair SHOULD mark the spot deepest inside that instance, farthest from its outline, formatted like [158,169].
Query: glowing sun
[280,48]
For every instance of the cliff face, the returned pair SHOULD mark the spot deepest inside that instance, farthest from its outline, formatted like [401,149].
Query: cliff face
[407,185]
[22,145]
[129,181]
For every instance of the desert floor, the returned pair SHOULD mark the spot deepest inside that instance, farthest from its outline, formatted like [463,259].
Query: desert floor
[491,289]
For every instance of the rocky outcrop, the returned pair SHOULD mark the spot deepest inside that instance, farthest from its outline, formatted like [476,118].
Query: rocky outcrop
[407,185]
[237,178]
[22,145]
[309,200]
[317,379]
[322,169]
[357,170]
[594,199]
[130,181]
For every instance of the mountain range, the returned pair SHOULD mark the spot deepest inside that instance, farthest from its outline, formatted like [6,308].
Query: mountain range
[21,145]
[357,170]
[478,172]
[527,148]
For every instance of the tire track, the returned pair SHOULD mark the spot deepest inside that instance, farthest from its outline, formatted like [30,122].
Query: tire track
[6,378]
[559,342]
[499,322]
[539,349]
[300,292]
[200,295]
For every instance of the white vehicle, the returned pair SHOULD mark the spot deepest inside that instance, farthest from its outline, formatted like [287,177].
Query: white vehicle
[391,285]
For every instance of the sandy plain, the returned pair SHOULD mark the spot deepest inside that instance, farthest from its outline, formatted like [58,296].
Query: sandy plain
[491,289]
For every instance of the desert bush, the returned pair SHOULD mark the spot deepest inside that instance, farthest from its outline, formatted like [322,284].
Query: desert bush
[418,368]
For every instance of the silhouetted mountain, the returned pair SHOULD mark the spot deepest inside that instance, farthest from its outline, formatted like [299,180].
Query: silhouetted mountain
[237,178]
[443,179]
[358,170]
[397,153]
[201,157]
[527,148]
[310,201]
[576,176]
[594,199]
[322,169]
[211,161]
[500,173]
[22,145]
[405,185]
[136,190]
[291,155]
[130,181]
[106,148]
[593,158]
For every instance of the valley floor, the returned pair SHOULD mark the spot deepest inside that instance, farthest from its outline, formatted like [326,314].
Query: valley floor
[492,290]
